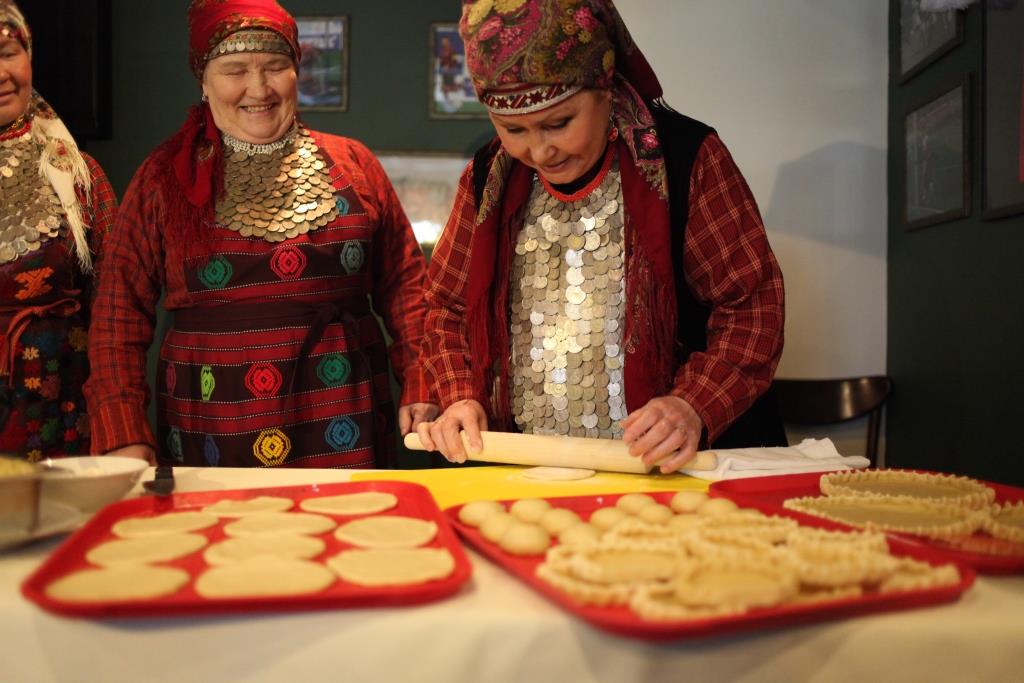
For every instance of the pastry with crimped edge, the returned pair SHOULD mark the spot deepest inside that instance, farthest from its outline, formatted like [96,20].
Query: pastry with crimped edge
[658,603]
[1006,522]
[944,489]
[770,528]
[612,565]
[889,513]
[832,565]
[740,584]
[866,541]
[584,592]
[912,575]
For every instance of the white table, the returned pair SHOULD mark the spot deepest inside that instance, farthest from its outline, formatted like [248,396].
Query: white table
[496,629]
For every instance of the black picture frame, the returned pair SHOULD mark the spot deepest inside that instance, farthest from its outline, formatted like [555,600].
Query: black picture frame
[450,93]
[924,37]
[937,157]
[323,81]
[1003,111]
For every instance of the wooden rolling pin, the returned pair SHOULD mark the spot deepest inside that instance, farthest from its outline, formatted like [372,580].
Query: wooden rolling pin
[609,455]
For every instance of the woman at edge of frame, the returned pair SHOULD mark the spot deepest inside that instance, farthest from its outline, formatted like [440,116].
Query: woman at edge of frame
[626,308]
[268,239]
[57,208]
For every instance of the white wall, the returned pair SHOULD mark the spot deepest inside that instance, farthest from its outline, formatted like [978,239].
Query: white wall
[797,89]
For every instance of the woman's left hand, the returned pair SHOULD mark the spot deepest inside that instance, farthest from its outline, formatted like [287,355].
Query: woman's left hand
[666,431]
[411,415]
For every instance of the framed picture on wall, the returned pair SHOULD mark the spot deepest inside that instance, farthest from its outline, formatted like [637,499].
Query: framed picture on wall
[323,71]
[925,35]
[937,178]
[451,89]
[1003,174]
[426,185]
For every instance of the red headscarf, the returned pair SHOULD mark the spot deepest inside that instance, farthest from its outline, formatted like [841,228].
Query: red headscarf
[195,148]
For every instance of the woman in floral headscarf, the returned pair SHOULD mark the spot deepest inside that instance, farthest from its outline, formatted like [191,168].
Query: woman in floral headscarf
[57,205]
[267,239]
[605,271]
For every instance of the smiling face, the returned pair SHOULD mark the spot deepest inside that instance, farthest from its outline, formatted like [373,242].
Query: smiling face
[252,95]
[15,80]
[563,141]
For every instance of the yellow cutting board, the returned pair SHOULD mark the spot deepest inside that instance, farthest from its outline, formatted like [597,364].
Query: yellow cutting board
[454,485]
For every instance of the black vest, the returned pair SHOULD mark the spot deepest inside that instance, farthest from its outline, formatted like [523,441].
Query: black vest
[681,138]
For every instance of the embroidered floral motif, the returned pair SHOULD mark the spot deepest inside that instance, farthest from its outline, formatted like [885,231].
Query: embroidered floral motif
[216,273]
[35,455]
[210,451]
[263,380]
[288,262]
[334,369]
[352,256]
[30,353]
[272,447]
[50,388]
[33,283]
[32,383]
[170,378]
[78,338]
[342,204]
[342,433]
[174,444]
[207,382]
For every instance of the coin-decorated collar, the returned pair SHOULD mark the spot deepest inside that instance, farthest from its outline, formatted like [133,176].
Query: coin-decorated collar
[33,213]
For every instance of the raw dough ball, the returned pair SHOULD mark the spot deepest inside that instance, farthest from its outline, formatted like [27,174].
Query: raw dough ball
[250,506]
[145,549]
[495,526]
[163,525]
[264,579]
[580,534]
[477,512]
[685,522]
[632,502]
[392,566]
[362,503]
[530,510]
[387,531]
[260,548]
[136,582]
[688,501]
[605,518]
[272,523]
[525,539]
[557,520]
[716,506]
[557,473]
[655,514]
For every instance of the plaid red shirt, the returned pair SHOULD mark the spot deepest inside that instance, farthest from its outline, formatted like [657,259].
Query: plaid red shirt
[728,265]
[144,259]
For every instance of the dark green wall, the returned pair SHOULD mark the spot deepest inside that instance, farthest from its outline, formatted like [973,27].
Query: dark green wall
[388,93]
[956,305]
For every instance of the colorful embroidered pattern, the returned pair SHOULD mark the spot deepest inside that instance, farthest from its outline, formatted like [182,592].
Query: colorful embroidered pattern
[216,273]
[33,283]
[207,383]
[210,451]
[352,256]
[288,262]
[263,380]
[174,443]
[334,369]
[272,447]
[342,433]
[170,378]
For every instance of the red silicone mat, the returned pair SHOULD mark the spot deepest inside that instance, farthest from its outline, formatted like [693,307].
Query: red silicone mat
[769,493]
[622,621]
[413,501]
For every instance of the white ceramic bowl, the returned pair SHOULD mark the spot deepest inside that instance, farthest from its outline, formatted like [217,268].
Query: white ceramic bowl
[91,482]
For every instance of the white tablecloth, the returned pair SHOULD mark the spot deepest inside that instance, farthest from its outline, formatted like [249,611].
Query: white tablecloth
[496,629]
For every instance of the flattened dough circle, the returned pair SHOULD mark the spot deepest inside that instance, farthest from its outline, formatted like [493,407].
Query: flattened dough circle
[164,525]
[273,523]
[263,548]
[249,506]
[362,503]
[392,566]
[146,549]
[137,582]
[264,579]
[387,531]
[558,473]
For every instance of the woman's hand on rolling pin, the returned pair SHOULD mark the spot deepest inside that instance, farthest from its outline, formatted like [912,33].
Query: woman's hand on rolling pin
[666,432]
[443,434]
[410,416]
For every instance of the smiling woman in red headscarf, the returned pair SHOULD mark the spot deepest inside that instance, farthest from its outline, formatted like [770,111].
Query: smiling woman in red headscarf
[267,240]
[605,271]
[55,207]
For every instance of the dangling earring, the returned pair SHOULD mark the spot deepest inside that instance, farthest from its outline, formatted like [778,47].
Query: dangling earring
[613,134]
[204,98]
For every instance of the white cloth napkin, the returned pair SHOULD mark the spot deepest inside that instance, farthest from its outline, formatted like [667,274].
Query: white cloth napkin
[810,455]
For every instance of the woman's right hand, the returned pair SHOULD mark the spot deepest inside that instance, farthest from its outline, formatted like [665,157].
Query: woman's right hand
[443,433]
[139,451]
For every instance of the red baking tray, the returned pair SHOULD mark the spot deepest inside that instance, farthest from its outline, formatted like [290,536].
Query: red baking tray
[413,501]
[622,621]
[768,494]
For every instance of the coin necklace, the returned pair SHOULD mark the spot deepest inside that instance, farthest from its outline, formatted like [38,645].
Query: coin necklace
[32,212]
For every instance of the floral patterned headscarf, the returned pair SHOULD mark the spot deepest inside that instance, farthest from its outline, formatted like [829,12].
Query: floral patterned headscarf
[13,25]
[527,55]
[211,21]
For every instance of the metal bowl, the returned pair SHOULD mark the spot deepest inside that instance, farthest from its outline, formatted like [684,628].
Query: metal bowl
[20,486]
[90,482]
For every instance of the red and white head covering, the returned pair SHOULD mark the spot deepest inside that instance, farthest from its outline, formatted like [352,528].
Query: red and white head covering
[218,27]
[60,161]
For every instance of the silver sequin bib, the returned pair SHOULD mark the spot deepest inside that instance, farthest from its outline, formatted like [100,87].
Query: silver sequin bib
[567,295]
[279,193]
[32,212]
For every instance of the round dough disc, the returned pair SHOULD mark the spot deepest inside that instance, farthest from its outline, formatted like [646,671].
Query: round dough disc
[557,473]
[262,548]
[164,525]
[250,506]
[387,531]
[392,566]
[263,579]
[477,512]
[274,523]
[137,582]
[145,549]
[363,503]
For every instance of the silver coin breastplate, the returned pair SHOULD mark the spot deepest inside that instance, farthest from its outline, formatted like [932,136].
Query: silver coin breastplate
[32,213]
[568,294]
[276,192]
